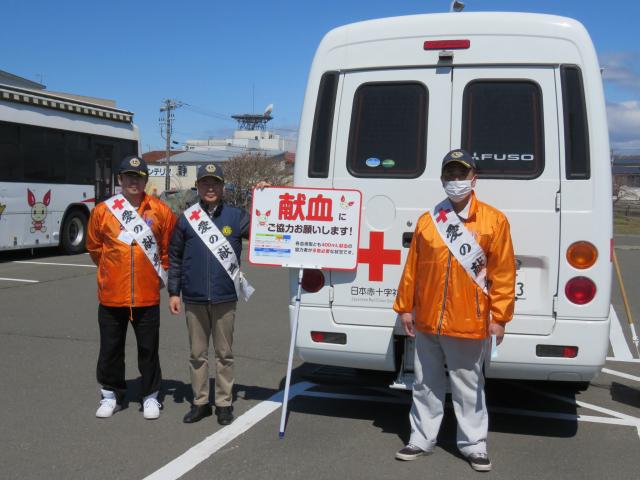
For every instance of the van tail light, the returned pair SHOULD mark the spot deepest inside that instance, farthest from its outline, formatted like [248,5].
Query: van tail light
[580,290]
[329,337]
[560,351]
[582,254]
[312,280]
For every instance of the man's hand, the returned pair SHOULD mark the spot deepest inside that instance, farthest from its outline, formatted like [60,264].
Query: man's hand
[262,184]
[408,324]
[175,306]
[497,330]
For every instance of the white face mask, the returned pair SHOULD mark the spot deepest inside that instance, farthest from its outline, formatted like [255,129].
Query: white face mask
[458,190]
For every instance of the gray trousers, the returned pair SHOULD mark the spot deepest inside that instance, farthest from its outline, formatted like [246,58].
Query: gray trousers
[464,358]
[203,322]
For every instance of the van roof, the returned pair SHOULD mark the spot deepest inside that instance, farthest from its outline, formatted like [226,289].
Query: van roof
[398,41]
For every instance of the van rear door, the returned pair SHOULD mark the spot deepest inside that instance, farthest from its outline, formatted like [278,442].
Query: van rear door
[393,130]
[508,119]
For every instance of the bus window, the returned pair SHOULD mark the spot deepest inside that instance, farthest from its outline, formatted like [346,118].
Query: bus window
[10,166]
[502,128]
[79,163]
[34,154]
[388,130]
[54,141]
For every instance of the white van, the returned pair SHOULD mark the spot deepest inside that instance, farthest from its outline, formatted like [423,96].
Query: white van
[385,100]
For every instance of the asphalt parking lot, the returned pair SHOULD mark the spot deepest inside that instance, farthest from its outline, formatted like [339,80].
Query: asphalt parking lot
[49,345]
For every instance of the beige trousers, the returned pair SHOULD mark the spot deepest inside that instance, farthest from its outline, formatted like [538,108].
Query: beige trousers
[216,321]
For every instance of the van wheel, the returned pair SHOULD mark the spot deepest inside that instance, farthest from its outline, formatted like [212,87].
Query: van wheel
[74,232]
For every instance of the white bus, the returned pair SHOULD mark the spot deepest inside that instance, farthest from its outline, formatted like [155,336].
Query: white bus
[57,159]
[385,100]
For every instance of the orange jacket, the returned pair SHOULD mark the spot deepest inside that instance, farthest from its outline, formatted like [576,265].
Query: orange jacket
[445,298]
[126,277]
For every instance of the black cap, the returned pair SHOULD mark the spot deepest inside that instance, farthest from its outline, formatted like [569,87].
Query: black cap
[460,156]
[210,170]
[134,164]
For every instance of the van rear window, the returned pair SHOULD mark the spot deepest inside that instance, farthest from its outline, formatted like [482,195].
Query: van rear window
[319,154]
[388,130]
[576,130]
[502,128]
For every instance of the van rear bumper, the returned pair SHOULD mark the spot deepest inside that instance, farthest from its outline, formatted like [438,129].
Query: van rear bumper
[367,347]
[517,355]
[372,348]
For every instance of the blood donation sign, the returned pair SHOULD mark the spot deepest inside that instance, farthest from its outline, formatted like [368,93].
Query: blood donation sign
[305,228]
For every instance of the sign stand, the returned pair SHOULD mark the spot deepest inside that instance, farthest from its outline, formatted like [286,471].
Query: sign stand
[294,331]
[312,228]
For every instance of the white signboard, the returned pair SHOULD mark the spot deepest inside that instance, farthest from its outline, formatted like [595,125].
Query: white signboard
[305,228]
[158,171]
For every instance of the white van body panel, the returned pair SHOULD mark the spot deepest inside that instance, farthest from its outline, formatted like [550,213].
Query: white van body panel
[547,212]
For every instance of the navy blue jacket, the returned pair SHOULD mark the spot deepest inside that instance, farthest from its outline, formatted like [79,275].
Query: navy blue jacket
[193,270]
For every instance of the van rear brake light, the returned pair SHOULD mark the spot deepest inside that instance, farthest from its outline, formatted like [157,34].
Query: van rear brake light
[312,280]
[560,351]
[447,44]
[580,290]
[329,337]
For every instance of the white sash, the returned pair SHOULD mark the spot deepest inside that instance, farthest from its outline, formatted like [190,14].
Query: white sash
[137,228]
[220,247]
[461,242]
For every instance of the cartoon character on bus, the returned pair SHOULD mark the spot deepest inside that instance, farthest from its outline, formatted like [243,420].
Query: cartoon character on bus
[38,211]
[2,207]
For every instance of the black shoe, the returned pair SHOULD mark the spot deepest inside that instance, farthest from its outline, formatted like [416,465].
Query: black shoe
[225,415]
[480,462]
[410,452]
[197,413]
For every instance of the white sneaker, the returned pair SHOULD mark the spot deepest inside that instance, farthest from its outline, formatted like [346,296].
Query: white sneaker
[151,408]
[108,406]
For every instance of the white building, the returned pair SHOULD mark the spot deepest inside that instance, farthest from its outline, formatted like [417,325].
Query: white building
[251,136]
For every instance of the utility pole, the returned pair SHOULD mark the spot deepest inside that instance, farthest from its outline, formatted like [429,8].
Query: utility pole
[168,106]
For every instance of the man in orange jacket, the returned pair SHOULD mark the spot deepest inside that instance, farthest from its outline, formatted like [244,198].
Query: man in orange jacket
[128,239]
[457,289]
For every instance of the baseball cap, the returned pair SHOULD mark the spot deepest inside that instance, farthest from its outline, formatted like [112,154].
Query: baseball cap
[210,170]
[460,156]
[134,164]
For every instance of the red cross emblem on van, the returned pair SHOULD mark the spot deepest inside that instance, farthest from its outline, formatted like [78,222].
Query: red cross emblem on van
[377,257]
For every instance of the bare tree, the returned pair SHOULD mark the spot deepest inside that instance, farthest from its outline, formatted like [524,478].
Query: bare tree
[243,172]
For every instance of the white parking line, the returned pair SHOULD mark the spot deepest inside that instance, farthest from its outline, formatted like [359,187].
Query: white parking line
[19,280]
[614,359]
[621,374]
[51,263]
[619,344]
[210,445]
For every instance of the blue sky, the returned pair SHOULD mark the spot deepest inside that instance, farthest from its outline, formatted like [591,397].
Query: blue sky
[224,58]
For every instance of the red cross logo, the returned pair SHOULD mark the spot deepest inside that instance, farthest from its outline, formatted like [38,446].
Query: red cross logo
[195,215]
[377,257]
[442,215]
[118,204]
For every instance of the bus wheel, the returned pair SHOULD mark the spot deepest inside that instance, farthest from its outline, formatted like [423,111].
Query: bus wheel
[74,232]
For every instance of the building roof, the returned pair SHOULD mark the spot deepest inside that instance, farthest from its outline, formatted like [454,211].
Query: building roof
[626,160]
[217,156]
[626,170]
[7,78]
[153,156]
